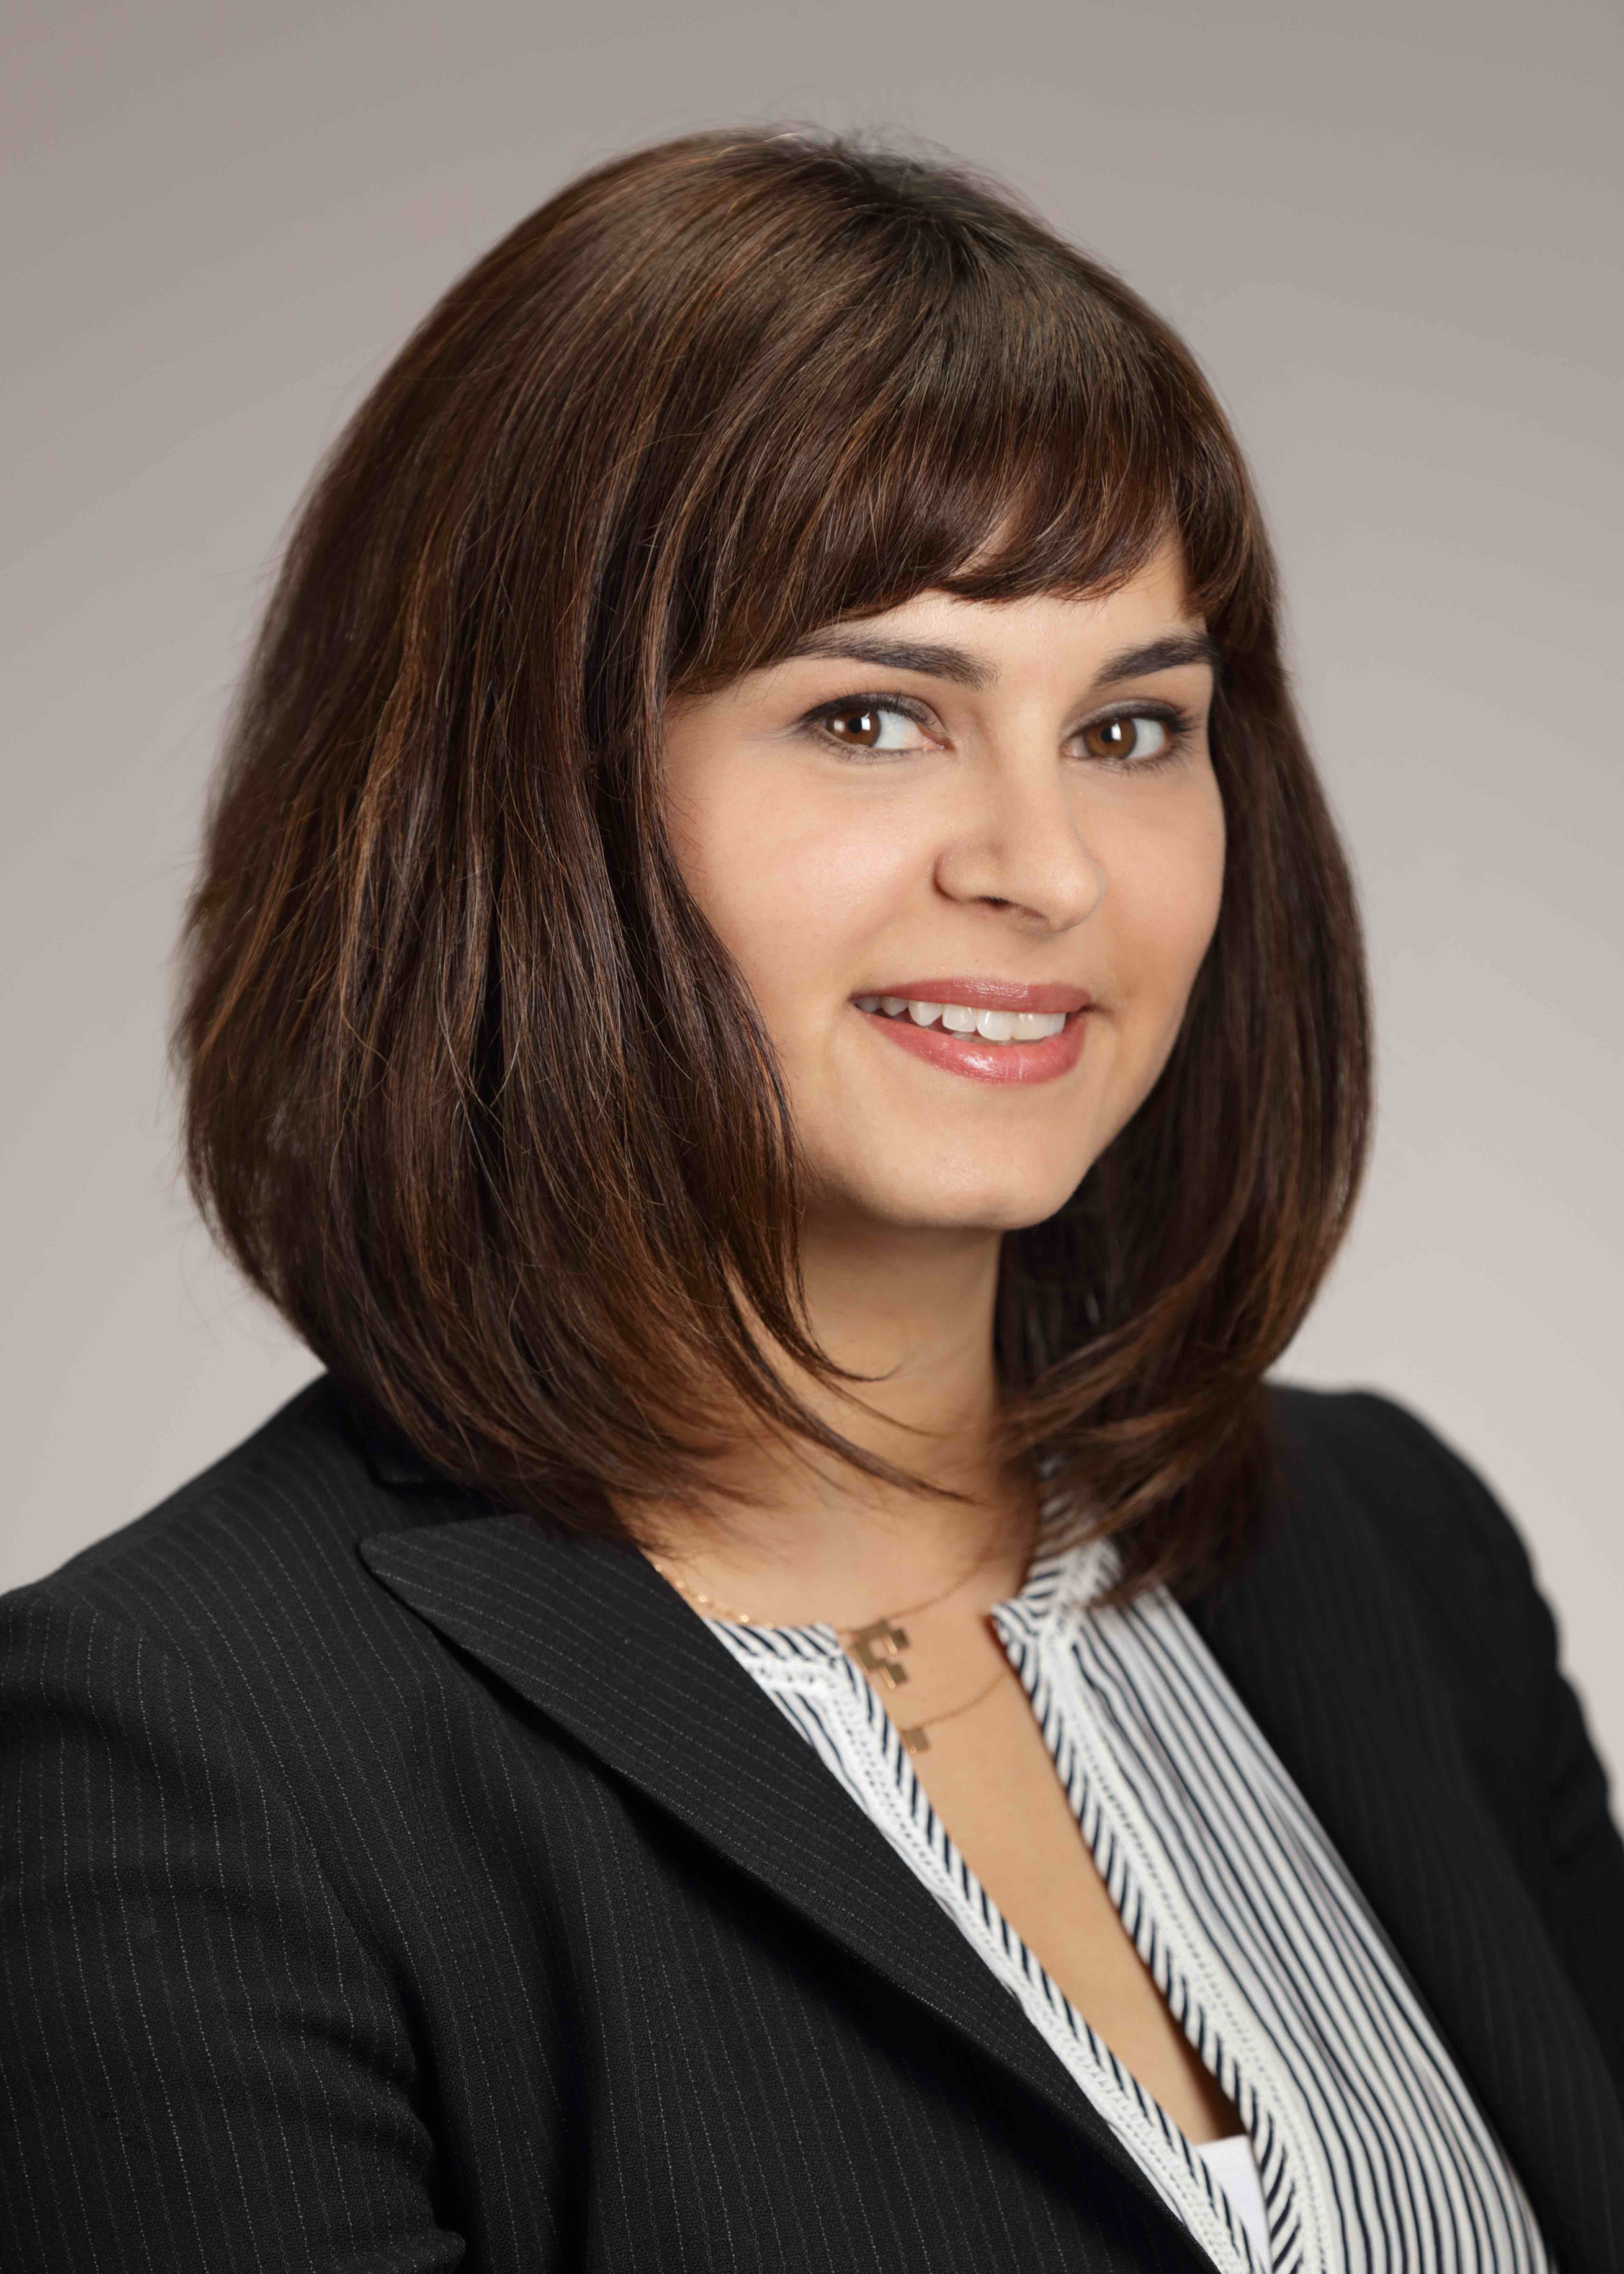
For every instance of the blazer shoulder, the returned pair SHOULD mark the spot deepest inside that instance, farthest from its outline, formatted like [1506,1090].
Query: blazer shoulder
[267,1534]
[1432,1509]
[1435,1523]
[1498,1645]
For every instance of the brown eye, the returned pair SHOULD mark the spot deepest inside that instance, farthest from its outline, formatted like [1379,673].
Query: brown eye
[860,726]
[1137,735]
[872,727]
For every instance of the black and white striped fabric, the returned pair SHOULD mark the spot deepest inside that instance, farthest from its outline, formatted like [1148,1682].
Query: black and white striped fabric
[1371,2157]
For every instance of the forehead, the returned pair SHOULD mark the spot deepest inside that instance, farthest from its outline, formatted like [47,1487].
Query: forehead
[1158,589]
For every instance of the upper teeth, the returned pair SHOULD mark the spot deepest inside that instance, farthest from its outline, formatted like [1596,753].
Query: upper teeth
[959,1018]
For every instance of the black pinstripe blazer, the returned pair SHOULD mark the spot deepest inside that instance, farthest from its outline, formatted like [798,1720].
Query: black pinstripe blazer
[389,1886]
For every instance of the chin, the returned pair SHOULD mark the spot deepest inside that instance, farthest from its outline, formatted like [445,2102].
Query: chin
[995,1204]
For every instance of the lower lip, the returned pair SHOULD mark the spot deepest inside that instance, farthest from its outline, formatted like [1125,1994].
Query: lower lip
[980,1060]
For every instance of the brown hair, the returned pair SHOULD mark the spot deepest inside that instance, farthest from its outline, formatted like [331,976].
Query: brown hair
[473,1094]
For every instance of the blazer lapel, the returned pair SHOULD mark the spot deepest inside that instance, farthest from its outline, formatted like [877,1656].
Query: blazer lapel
[1324,1643]
[596,1640]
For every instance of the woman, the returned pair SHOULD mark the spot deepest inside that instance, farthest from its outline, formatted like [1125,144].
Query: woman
[773,992]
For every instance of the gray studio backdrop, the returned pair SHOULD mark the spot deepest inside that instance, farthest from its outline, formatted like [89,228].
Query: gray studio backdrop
[1388,230]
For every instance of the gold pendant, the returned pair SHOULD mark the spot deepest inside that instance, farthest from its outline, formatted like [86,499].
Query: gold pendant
[915,1741]
[877,1649]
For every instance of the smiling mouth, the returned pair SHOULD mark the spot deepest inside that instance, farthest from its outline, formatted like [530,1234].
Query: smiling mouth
[1013,1028]
[1005,1049]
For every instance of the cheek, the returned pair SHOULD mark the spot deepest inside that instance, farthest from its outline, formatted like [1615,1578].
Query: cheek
[1171,889]
[793,891]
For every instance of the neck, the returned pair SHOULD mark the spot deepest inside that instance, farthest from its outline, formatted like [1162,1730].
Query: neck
[815,1541]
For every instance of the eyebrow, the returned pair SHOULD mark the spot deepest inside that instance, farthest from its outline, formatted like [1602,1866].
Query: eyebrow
[1167,654]
[936,659]
[939,659]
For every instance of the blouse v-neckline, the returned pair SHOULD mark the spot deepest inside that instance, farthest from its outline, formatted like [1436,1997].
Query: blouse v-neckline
[1366,2152]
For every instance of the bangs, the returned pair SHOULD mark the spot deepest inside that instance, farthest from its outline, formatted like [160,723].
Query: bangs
[990,420]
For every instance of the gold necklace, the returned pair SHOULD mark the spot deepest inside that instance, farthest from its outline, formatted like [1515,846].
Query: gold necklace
[748,1619]
[878,1647]
[914,1737]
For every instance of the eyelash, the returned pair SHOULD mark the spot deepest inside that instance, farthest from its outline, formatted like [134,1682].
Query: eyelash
[1180,724]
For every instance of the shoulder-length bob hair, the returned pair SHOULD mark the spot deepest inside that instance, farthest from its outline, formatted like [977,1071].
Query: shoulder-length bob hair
[473,1092]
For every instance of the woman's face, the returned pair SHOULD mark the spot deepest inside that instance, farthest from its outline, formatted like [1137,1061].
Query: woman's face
[974,804]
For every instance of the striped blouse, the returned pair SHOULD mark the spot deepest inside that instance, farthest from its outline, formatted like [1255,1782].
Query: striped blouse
[1368,2154]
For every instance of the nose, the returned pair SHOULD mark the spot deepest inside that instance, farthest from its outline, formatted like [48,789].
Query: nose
[1027,847]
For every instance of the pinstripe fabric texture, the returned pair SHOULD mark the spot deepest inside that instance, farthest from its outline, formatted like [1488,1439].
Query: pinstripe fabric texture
[1372,2155]
[388,1886]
